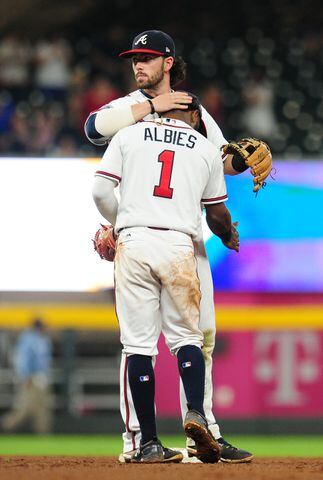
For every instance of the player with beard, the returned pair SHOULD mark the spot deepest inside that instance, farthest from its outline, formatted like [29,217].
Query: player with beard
[157,70]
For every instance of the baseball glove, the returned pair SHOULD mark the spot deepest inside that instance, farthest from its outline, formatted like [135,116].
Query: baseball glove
[105,243]
[255,154]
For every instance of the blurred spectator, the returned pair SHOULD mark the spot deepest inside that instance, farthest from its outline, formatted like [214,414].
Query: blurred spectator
[212,101]
[67,145]
[52,70]
[32,362]
[6,112]
[15,57]
[75,100]
[43,132]
[259,119]
[102,91]
[18,140]
[76,114]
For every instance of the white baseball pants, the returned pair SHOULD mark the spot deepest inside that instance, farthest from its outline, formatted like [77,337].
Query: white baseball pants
[131,436]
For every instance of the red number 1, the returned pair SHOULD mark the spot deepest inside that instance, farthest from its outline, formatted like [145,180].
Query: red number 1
[163,189]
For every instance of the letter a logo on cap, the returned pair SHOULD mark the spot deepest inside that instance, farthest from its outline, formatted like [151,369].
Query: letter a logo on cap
[142,39]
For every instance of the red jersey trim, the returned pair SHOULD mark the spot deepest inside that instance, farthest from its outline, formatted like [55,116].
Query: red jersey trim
[107,174]
[215,199]
[166,124]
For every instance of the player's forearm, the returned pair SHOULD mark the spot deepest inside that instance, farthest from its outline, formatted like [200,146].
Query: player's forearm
[219,221]
[140,110]
[228,166]
[105,199]
[103,124]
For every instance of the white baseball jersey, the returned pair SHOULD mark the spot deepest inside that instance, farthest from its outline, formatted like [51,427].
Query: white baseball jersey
[213,131]
[165,169]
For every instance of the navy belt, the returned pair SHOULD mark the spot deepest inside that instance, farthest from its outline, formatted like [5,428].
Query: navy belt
[158,228]
[153,228]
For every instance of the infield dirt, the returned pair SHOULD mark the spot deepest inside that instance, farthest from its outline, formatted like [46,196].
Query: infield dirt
[97,468]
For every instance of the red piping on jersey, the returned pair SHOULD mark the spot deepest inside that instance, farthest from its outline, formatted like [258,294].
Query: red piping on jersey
[205,200]
[107,174]
[167,125]
[142,50]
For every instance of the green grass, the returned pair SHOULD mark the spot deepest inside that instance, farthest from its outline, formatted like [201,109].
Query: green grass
[309,446]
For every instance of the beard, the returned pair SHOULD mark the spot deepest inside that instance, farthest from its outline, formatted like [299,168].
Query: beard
[151,82]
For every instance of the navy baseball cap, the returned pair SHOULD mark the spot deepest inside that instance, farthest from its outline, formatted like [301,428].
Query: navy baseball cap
[154,42]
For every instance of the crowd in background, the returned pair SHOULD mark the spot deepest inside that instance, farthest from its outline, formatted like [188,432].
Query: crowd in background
[252,85]
[46,94]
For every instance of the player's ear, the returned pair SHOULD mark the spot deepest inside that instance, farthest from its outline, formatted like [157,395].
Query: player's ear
[168,63]
[195,119]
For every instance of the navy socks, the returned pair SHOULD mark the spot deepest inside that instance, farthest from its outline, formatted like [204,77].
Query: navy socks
[191,367]
[142,385]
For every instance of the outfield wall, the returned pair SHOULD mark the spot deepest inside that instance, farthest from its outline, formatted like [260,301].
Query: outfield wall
[268,361]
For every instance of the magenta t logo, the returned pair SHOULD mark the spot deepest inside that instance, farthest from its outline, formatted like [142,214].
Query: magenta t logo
[287,360]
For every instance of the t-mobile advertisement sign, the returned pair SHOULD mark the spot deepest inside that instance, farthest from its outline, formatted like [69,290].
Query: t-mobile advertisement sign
[275,373]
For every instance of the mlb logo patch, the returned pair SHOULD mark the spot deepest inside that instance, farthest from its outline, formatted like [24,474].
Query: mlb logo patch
[186,364]
[144,378]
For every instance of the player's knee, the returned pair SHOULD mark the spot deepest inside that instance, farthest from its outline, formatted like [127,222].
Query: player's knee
[147,350]
[176,346]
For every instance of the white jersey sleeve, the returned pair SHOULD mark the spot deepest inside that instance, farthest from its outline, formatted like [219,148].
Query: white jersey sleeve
[111,163]
[215,190]
[213,131]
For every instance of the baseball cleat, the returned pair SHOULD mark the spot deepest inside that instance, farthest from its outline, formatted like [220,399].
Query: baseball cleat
[232,454]
[229,453]
[136,456]
[172,456]
[207,448]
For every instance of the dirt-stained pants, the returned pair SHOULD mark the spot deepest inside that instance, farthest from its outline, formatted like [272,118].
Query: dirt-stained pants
[156,270]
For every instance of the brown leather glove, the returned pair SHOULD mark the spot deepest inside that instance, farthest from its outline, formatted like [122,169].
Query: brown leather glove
[256,154]
[105,243]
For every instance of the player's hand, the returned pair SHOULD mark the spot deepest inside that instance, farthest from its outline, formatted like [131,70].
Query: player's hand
[234,242]
[169,101]
[104,242]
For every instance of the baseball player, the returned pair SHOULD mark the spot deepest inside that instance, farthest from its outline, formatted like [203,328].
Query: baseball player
[157,69]
[166,170]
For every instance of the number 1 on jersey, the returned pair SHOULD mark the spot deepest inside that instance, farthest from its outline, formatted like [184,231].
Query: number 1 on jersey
[163,189]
